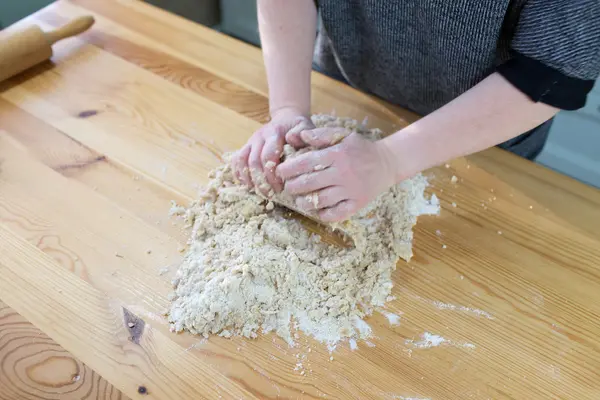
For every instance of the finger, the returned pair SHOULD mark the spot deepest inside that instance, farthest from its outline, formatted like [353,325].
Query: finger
[307,183]
[340,212]
[321,199]
[293,135]
[239,164]
[256,167]
[304,163]
[270,159]
[324,137]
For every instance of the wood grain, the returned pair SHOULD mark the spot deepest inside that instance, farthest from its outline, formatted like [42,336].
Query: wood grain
[64,304]
[133,114]
[538,184]
[34,366]
[227,57]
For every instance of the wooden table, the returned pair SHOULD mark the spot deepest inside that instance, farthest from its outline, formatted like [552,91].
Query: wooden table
[134,114]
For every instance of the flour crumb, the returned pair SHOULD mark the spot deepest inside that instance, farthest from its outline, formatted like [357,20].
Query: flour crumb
[428,340]
[163,271]
[454,179]
[249,268]
[392,318]
[270,165]
[431,207]
[353,344]
[409,398]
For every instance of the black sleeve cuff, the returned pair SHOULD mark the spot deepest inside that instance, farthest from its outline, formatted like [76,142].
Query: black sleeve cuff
[545,84]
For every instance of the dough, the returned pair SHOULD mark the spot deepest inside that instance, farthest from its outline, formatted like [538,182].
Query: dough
[250,269]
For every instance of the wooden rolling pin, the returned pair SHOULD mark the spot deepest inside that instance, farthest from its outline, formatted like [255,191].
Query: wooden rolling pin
[23,50]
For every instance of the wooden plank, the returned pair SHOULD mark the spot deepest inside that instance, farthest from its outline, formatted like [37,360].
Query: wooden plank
[552,191]
[37,211]
[175,70]
[100,125]
[35,367]
[229,58]
[129,189]
[432,281]
[150,113]
[62,305]
[324,97]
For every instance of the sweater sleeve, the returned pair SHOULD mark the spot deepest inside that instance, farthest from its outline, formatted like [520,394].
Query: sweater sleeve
[556,51]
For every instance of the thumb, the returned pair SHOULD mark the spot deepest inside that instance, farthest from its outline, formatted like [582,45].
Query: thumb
[293,135]
[321,138]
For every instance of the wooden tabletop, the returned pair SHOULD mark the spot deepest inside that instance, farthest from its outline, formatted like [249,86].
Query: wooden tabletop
[133,114]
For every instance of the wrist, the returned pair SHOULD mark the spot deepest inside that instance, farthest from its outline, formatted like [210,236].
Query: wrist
[289,111]
[389,163]
[401,155]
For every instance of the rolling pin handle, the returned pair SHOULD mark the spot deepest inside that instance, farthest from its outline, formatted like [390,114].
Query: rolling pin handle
[75,27]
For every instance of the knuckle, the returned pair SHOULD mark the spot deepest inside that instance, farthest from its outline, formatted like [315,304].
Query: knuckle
[254,163]
[279,130]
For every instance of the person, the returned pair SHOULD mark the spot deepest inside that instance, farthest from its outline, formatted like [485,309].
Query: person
[480,72]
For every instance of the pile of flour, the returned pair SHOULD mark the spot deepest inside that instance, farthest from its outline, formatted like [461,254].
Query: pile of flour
[251,268]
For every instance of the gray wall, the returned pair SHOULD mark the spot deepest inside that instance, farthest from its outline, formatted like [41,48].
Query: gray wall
[573,147]
[203,11]
[13,10]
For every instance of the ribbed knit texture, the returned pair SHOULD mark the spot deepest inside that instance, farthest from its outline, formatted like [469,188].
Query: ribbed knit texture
[421,54]
[563,34]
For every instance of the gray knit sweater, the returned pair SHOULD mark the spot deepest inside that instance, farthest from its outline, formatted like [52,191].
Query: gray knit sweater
[421,54]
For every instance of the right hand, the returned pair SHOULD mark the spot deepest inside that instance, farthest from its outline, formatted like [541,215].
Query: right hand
[266,146]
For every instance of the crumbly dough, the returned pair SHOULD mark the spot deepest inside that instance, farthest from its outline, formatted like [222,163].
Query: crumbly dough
[250,268]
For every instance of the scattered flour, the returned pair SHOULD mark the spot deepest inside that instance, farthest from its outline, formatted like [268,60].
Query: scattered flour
[429,340]
[249,268]
[453,307]
[468,310]
[392,318]
[353,344]
[163,270]
[409,398]
[432,207]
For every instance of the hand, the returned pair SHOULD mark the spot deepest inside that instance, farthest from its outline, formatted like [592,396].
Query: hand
[338,180]
[256,161]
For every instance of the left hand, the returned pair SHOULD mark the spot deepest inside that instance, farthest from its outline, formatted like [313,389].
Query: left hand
[341,179]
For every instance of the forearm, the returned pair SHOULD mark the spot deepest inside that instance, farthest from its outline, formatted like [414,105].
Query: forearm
[486,115]
[287,32]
